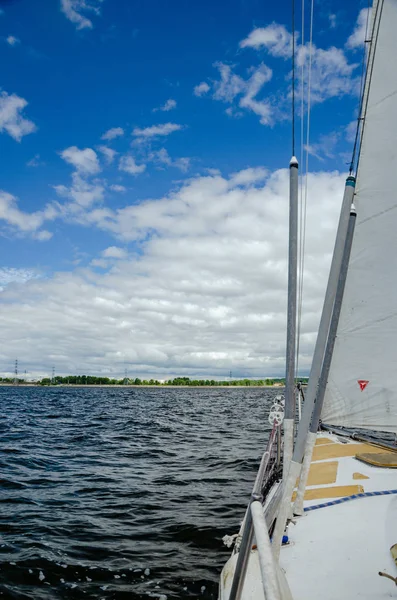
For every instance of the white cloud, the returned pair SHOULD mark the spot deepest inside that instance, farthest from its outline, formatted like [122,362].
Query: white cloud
[325,146]
[35,161]
[73,10]
[163,158]
[332,75]
[11,274]
[169,105]
[275,38]
[358,36]
[43,235]
[22,222]
[113,133]
[250,176]
[232,86]
[85,161]
[11,119]
[128,164]
[261,108]
[83,193]
[12,40]
[99,262]
[114,252]
[332,21]
[117,188]
[201,89]
[108,153]
[190,303]
[156,130]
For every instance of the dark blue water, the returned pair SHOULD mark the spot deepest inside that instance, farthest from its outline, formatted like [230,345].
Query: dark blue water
[123,493]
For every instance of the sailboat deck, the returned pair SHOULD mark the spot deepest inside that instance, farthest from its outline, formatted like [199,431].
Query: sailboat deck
[338,550]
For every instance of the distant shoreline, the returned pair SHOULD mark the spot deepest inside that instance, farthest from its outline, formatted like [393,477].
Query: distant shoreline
[116,385]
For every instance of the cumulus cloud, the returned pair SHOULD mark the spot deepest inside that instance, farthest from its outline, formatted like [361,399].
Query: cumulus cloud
[161,157]
[275,38]
[206,294]
[201,89]
[99,262]
[117,188]
[332,21]
[250,176]
[85,161]
[333,76]
[81,192]
[108,153]
[11,274]
[24,223]
[12,40]
[169,105]
[128,164]
[35,161]
[114,252]
[357,38]
[74,11]
[325,146]
[231,86]
[156,130]
[113,133]
[11,119]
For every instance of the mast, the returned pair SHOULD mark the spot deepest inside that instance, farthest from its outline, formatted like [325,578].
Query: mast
[291,318]
[303,442]
[304,446]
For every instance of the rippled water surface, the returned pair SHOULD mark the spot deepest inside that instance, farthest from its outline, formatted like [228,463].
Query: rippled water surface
[123,493]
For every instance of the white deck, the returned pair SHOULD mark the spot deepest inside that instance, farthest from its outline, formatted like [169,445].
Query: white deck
[336,552]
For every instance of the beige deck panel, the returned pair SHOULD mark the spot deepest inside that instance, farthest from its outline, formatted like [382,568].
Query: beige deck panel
[360,476]
[340,450]
[337,491]
[387,460]
[322,441]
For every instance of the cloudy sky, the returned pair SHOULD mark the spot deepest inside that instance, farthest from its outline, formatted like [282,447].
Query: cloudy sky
[144,181]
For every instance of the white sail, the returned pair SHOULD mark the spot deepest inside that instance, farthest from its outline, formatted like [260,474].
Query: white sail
[362,383]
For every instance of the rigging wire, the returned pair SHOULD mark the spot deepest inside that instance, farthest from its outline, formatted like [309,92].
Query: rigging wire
[304,188]
[302,123]
[357,136]
[371,57]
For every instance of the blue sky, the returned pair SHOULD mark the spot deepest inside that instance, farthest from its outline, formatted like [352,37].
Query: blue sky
[113,107]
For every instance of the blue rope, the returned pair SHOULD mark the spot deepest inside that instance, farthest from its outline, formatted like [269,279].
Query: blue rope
[347,498]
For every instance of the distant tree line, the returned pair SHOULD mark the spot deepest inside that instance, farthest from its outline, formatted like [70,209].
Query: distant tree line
[183,381]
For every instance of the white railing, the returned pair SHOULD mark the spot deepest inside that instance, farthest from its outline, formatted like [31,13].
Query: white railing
[269,463]
[267,563]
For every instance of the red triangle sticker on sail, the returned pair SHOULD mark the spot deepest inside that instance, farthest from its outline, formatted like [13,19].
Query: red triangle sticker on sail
[362,383]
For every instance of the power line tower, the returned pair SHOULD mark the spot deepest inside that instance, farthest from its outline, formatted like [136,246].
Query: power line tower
[230,375]
[16,371]
[53,376]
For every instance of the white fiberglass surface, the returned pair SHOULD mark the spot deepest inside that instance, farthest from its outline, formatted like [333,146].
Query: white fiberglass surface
[337,552]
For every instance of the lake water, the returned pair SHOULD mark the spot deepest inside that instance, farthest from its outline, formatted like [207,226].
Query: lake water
[124,493]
